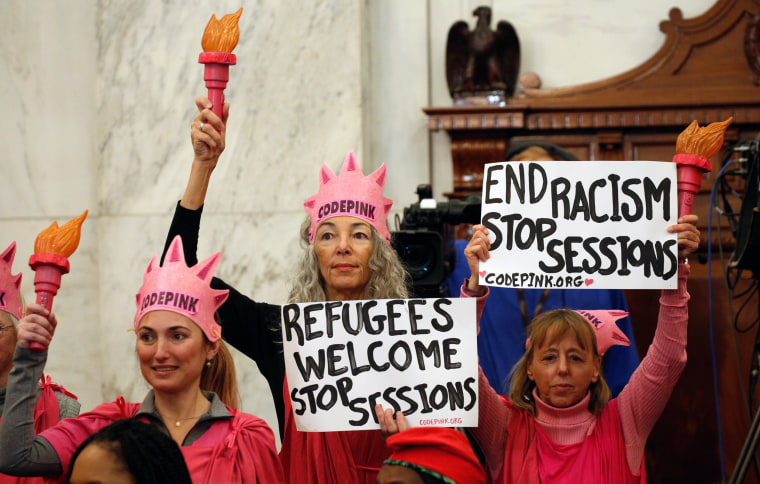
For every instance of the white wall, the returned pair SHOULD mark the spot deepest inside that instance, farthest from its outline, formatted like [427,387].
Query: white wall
[98,99]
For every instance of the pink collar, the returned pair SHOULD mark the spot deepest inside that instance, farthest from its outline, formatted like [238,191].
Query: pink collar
[577,415]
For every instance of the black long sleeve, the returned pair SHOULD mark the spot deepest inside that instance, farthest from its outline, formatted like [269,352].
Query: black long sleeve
[251,327]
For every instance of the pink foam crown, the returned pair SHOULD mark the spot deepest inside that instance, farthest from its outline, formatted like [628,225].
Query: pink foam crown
[181,289]
[607,332]
[350,194]
[10,299]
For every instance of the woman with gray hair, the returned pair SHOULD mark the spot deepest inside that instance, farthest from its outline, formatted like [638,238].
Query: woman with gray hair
[347,256]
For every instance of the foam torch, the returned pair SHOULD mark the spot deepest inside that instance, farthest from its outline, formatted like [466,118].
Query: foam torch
[50,261]
[219,39]
[694,148]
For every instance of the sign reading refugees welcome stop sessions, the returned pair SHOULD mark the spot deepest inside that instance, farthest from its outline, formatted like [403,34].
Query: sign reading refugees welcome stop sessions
[580,224]
[417,355]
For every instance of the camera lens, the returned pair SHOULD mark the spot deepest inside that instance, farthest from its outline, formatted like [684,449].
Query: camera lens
[418,258]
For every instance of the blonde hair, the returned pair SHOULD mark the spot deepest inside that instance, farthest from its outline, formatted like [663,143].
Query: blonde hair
[550,327]
[387,280]
[220,377]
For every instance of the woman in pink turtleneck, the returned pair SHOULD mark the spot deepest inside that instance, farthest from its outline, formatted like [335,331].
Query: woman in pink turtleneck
[558,424]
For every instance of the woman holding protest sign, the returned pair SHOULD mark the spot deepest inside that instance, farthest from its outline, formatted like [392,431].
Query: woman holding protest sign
[346,256]
[181,357]
[558,424]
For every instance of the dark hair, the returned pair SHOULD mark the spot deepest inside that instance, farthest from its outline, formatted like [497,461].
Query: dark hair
[557,153]
[148,454]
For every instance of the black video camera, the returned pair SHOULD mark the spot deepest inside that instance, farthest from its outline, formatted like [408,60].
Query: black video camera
[425,239]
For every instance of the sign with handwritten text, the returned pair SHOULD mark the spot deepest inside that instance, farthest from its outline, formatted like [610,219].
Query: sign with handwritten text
[414,355]
[580,224]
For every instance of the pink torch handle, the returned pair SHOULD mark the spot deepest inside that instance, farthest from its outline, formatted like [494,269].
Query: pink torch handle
[48,269]
[690,169]
[216,74]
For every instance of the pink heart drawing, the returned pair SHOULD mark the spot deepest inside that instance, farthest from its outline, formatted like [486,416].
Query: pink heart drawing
[482,273]
[589,282]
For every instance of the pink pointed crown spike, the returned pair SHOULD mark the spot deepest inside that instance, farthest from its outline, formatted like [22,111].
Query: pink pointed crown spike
[350,194]
[183,290]
[603,322]
[10,285]
[605,327]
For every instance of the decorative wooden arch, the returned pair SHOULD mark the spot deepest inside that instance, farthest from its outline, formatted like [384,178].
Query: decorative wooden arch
[707,69]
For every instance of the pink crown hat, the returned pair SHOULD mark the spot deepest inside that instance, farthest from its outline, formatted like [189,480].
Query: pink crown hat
[10,299]
[181,289]
[350,194]
[605,328]
[607,332]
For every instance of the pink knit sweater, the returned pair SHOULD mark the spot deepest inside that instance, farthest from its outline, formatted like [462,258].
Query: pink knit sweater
[639,404]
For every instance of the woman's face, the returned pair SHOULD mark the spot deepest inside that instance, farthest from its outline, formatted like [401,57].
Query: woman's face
[7,343]
[172,351]
[343,246]
[96,464]
[563,370]
[390,474]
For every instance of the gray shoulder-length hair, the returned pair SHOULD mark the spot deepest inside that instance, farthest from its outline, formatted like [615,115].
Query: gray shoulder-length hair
[387,280]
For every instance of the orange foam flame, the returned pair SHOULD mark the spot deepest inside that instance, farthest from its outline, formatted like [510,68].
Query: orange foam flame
[222,35]
[60,240]
[705,141]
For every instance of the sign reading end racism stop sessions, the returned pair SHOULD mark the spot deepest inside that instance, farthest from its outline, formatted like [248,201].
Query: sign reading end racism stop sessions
[580,224]
[416,355]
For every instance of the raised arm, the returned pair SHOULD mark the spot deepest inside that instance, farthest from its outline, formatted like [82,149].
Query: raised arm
[207,133]
[249,326]
[642,401]
[493,415]
[21,452]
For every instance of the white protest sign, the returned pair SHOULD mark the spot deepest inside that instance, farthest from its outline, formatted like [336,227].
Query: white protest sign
[580,224]
[415,355]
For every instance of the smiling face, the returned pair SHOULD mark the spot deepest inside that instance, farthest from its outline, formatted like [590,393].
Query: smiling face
[343,246]
[172,351]
[563,369]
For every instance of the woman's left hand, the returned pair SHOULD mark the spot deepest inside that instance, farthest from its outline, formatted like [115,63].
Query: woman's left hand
[389,423]
[688,235]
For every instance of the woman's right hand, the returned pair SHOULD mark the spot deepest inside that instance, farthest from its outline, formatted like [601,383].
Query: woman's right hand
[390,422]
[37,325]
[476,251]
[207,133]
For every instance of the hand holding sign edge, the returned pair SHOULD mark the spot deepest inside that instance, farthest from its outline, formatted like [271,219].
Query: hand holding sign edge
[476,251]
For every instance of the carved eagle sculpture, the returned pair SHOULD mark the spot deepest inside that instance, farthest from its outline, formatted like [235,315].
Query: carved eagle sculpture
[481,60]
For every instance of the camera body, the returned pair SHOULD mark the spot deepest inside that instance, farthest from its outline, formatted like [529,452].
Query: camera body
[425,239]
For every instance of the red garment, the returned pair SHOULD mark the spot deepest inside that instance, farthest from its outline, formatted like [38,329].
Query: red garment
[240,449]
[635,411]
[46,414]
[444,451]
[351,457]
[600,457]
